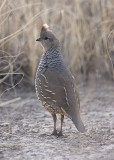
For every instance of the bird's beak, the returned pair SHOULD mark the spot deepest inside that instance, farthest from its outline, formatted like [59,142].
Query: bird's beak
[39,39]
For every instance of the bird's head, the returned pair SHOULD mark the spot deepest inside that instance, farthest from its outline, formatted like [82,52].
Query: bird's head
[47,38]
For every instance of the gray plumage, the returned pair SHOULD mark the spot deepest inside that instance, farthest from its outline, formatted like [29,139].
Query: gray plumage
[55,84]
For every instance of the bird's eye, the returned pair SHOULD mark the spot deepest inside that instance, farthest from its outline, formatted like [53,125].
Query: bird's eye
[46,38]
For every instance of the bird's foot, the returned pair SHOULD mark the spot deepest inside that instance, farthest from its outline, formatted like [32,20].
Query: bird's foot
[60,134]
[54,133]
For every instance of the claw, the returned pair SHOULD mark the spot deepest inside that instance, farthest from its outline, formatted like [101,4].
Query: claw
[54,133]
[60,134]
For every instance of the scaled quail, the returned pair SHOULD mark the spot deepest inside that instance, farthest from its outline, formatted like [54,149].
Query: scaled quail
[54,83]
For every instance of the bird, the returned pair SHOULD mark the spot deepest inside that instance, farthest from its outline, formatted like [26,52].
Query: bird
[54,83]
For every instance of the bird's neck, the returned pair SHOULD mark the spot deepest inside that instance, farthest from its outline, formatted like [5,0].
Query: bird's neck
[53,51]
[51,59]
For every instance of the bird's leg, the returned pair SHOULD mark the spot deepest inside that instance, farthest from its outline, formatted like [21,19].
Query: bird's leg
[60,132]
[54,119]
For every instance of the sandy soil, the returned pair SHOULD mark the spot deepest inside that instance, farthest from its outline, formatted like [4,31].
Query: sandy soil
[25,128]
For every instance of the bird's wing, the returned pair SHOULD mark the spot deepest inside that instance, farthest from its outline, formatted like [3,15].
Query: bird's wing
[62,84]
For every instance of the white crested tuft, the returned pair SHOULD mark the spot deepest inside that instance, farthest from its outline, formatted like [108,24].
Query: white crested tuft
[45,27]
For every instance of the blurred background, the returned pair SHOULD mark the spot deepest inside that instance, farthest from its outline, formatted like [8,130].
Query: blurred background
[85,29]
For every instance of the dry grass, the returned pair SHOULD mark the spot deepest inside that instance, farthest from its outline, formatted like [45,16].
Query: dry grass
[85,29]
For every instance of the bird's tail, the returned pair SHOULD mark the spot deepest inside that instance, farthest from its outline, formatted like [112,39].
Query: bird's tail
[78,123]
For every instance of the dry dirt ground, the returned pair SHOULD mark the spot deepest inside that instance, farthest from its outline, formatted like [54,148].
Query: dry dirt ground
[25,128]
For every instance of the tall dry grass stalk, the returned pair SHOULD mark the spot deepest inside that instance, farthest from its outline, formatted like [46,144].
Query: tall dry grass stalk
[85,29]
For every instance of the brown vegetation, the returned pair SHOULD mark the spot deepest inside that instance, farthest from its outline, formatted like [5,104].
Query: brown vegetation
[85,29]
